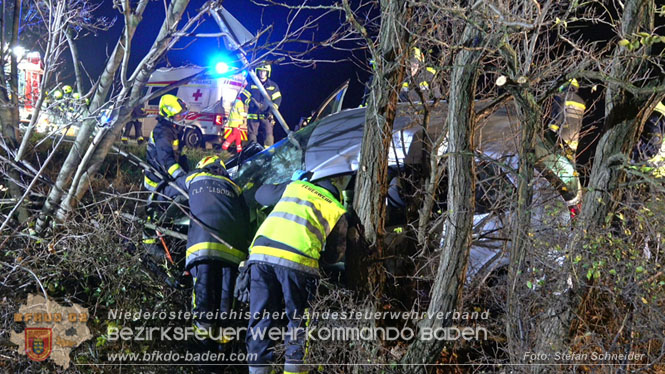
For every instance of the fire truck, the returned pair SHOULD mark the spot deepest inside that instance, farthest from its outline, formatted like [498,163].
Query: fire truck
[208,98]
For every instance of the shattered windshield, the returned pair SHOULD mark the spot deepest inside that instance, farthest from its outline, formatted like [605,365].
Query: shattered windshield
[275,164]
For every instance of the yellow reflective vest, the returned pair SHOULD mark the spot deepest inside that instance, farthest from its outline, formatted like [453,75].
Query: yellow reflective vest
[301,221]
[238,116]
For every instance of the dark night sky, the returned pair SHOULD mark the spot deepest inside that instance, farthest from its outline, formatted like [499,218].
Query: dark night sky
[303,89]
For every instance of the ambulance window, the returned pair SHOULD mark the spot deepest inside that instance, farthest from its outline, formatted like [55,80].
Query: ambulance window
[155,101]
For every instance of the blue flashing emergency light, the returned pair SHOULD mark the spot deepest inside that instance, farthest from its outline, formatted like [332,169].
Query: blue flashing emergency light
[222,67]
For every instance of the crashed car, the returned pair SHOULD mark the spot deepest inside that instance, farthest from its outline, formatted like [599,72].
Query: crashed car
[330,146]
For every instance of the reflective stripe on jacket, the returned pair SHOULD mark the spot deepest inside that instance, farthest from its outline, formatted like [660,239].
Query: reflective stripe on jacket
[238,115]
[163,151]
[567,113]
[253,92]
[217,203]
[301,221]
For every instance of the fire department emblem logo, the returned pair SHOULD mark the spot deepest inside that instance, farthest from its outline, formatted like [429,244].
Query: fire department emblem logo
[38,343]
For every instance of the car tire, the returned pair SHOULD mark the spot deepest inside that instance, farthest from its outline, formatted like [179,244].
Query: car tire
[193,138]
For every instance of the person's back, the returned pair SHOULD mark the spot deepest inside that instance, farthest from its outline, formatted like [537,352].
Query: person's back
[284,264]
[235,131]
[300,222]
[216,203]
[567,115]
[217,242]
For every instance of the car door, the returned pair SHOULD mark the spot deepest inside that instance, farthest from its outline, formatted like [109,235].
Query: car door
[333,103]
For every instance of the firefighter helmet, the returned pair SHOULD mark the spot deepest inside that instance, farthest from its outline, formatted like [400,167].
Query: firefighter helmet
[418,55]
[211,162]
[57,94]
[571,83]
[76,95]
[265,67]
[171,105]
[67,89]
[660,108]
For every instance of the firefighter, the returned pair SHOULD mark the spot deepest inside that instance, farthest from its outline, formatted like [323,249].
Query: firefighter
[56,105]
[555,152]
[567,114]
[138,127]
[218,211]
[68,101]
[236,125]
[419,80]
[164,145]
[163,154]
[284,263]
[260,119]
[649,147]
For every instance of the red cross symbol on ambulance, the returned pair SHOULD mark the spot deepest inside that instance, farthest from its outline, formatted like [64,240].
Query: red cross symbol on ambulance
[197,94]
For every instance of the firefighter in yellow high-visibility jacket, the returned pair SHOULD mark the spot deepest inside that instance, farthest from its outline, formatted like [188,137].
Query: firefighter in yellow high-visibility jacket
[284,263]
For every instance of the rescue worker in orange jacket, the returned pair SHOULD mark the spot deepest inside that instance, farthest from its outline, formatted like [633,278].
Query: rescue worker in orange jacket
[236,125]
[260,121]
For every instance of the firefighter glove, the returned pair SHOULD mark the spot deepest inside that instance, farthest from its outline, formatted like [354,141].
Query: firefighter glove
[241,291]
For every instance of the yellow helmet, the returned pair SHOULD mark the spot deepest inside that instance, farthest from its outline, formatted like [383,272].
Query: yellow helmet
[418,54]
[57,94]
[67,89]
[571,83]
[171,105]
[660,108]
[265,67]
[211,162]
[76,95]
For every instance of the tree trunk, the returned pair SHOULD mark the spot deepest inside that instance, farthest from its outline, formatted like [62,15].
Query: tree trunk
[164,40]
[529,115]
[372,179]
[621,130]
[446,290]
[69,33]
[82,140]
[85,131]
[9,116]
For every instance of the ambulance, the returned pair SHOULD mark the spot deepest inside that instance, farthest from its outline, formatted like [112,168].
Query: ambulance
[208,99]
[30,73]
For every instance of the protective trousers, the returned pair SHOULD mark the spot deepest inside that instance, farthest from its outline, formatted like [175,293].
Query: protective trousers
[234,135]
[212,296]
[138,131]
[160,202]
[260,131]
[269,286]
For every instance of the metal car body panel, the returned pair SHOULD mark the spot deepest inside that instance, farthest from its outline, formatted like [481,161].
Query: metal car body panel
[331,146]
